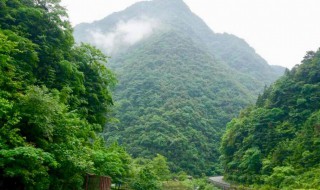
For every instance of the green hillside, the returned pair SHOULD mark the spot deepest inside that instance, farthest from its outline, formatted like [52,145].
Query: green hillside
[164,110]
[178,85]
[276,143]
[54,100]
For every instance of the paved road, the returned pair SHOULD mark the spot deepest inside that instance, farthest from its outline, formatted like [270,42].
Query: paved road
[218,181]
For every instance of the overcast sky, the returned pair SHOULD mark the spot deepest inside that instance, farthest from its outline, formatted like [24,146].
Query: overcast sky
[281,31]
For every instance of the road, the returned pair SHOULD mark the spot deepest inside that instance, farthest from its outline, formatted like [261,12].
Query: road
[219,182]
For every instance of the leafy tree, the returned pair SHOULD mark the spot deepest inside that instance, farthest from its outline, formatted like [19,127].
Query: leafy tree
[160,167]
[146,179]
[97,81]
[149,173]
[54,99]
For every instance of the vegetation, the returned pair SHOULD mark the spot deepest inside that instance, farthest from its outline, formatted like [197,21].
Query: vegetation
[163,110]
[200,184]
[173,100]
[148,174]
[54,100]
[179,86]
[275,144]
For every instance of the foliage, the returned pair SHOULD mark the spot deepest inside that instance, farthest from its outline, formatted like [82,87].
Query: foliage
[187,184]
[200,184]
[149,174]
[54,99]
[178,86]
[146,179]
[30,164]
[275,144]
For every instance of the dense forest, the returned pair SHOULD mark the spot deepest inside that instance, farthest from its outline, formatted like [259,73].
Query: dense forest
[54,100]
[178,85]
[275,144]
[160,115]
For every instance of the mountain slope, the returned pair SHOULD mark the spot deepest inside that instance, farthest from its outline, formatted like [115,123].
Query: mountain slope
[163,110]
[276,143]
[179,82]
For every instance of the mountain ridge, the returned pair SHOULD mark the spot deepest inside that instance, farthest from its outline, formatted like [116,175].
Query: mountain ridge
[275,143]
[179,82]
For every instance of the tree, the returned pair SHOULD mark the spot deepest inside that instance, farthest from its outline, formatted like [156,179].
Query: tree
[54,98]
[160,167]
[146,179]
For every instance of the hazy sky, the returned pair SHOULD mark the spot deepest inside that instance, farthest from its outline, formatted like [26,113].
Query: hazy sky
[281,31]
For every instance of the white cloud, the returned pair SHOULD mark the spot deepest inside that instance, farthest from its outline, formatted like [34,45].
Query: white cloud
[125,34]
[280,31]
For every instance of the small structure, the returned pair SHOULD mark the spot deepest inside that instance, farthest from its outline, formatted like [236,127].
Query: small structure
[94,182]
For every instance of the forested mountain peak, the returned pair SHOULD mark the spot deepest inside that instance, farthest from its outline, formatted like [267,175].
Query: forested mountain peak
[179,82]
[115,33]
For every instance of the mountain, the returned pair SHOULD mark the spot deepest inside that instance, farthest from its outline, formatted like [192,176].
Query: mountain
[276,143]
[179,82]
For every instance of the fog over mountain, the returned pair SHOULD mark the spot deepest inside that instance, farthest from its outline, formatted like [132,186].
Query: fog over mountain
[179,82]
[125,33]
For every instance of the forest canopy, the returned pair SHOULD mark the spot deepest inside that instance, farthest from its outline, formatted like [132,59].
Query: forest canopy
[178,85]
[276,143]
[54,100]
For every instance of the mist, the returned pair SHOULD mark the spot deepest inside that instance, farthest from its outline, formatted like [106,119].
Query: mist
[124,34]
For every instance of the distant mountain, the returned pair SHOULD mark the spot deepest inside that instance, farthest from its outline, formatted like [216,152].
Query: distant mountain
[179,82]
